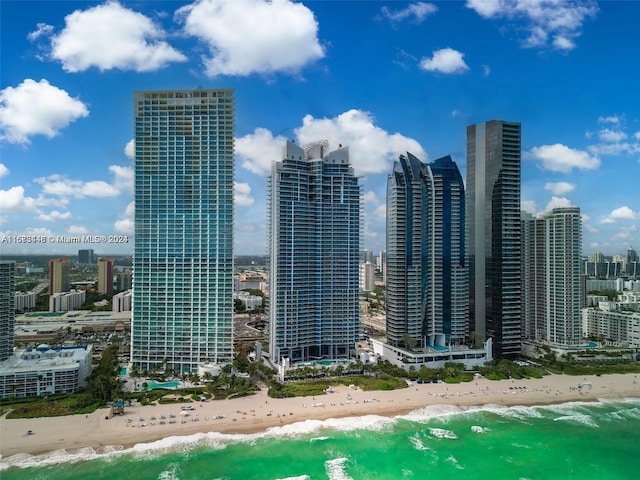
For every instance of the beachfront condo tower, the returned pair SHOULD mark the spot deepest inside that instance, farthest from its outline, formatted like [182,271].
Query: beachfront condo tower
[7,307]
[493,233]
[427,277]
[315,228]
[183,258]
[551,293]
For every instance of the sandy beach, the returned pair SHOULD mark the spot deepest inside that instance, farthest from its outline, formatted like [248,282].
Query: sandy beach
[143,424]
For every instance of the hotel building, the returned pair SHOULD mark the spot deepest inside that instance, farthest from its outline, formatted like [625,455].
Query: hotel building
[183,259]
[315,203]
[493,231]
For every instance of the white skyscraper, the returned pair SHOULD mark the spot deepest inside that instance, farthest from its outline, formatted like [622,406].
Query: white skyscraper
[551,276]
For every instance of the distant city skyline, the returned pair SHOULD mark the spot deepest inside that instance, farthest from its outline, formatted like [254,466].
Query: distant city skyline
[383,78]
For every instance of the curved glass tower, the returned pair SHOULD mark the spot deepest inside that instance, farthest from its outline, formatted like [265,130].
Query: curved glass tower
[427,278]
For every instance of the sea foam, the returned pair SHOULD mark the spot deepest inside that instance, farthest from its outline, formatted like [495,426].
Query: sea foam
[336,469]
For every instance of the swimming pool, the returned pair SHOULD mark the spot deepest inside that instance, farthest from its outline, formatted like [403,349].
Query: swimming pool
[169,385]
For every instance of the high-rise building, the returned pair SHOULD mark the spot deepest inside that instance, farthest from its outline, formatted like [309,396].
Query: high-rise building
[427,278]
[105,275]
[631,261]
[315,203]
[449,299]
[183,260]
[124,280]
[367,277]
[493,223]
[59,270]
[7,307]
[86,257]
[551,285]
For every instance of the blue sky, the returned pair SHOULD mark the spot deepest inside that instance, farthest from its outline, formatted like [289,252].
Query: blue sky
[381,77]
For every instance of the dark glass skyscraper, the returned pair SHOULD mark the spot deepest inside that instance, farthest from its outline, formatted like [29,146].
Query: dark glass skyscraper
[493,227]
[427,282]
[315,203]
[183,257]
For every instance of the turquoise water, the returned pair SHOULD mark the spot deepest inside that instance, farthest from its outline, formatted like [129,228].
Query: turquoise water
[570,441]
[153,385]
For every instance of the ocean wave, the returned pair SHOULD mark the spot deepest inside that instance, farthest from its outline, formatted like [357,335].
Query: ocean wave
[308,427]
[300,477]
[455,462]
[578,418]
[479,429]
[442,433]
[336,469]
[426,414]
[169,474]
[417,442]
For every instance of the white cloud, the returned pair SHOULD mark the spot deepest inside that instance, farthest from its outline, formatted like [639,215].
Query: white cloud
[560,188]
[253,36]
[126,225]
[558,20]
[446,60]
[613,139]
[14,201]
[77,230]
[371,149]
[130,149]
[625,233]
[486,70]
[63,186]
[557,202]
[256,151]
[242,194]
[123,178]
[110,36]
[529,206]
[43,30]
[589,228]
[563,43]
[370,197]
[621,213]
[485,8]
[36,108]
[4,171]
[381,211]
[610,119]
[560,158]
[608,135]
[53,216]
[98,189]
[416,12]
[614,148]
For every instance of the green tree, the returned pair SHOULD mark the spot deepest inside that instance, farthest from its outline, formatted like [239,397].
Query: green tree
[103,382]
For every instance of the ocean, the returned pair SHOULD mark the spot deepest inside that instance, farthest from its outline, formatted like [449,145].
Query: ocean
[579,440]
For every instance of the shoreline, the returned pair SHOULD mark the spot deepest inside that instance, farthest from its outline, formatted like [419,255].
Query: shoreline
[258,413]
